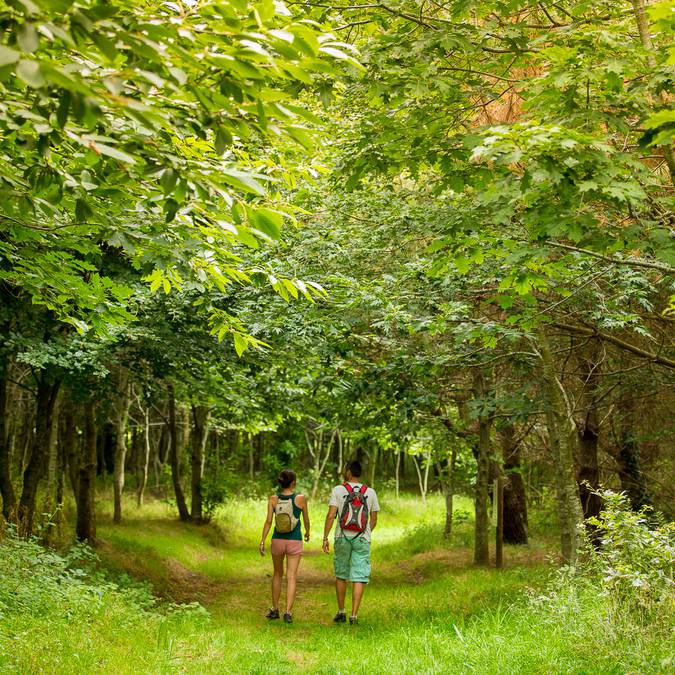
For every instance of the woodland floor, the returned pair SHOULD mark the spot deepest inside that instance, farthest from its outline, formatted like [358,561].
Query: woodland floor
[427,610]
[418,584]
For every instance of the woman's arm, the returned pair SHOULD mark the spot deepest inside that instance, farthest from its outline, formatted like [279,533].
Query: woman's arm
[305,514]
[268,522]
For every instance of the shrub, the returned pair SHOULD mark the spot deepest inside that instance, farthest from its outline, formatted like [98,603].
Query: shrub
[634,562]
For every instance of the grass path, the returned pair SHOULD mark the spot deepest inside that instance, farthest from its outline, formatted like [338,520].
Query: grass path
[427,610]
[422,595]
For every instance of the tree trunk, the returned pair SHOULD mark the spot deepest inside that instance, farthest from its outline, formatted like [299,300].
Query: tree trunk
[121,410]
[481,553]
[71,450]
[448,488]
[86,491]
[633,481]
[561,431]
[50,500]
[420,481]
[373,464]
[588,432]
[200,415]
[397,474]
[174,456]
[145,458]
[6,487]
[47,392]
[515,503]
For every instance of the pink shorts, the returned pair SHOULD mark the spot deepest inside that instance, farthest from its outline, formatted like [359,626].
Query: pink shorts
[286,547]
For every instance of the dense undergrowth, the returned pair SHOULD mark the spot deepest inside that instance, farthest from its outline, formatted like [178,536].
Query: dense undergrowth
[427,610]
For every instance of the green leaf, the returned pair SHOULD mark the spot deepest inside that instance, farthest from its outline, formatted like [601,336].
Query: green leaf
[167,180]
[8,56]
[82,211]
[267,221]
[30,73]
[240,344]
[62,110]
[27,38]
[242,181]
[223,140]
[106,46]
[103,149]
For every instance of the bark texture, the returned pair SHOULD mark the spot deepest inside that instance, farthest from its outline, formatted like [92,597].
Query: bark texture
[200,418]
[515,501]
[121,412]
[174,456]
[6,487]
[47,392]
[561,433]
[85,529]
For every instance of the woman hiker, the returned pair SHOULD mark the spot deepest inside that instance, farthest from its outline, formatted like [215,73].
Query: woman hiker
[285,508]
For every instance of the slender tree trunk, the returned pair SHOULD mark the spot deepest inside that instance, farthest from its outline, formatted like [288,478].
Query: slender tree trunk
[60,481]
[174,456]
[397,474]
[6,487]
[200,416]
[121,408]
[515,502]
[251,457]
[562,431]
[481,553]
[47,392]
[145,458]
[71,450]
[588,433]
[448,488]
[633,481]
[420,480]
[322,466]
[340,461]
[52,468]
[373,464]
[86,492]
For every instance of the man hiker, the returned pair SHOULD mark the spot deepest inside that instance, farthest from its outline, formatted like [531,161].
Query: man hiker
[355,506]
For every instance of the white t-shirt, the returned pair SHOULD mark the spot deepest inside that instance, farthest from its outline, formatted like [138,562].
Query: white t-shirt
[337,499]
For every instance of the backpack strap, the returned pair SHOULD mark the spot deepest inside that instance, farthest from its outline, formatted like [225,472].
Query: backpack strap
[363,488]
[348,487]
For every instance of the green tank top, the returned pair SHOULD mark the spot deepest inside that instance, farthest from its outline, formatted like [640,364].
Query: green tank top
[296,533]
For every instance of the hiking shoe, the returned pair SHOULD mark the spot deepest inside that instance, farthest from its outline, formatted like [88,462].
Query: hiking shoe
[288,617]
[353,620]
[272,614]
[340,617]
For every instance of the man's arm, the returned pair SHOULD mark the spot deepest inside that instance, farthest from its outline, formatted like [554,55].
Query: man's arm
[328,526]
[373,520]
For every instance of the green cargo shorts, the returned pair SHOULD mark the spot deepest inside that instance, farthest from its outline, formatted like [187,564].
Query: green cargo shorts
[351,559]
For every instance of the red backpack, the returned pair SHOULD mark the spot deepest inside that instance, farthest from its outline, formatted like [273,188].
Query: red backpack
[354,516]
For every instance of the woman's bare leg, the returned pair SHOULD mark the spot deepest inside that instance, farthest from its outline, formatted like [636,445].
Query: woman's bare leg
[278,561]
[293,561]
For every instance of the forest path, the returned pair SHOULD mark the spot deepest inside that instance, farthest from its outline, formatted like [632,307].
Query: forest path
[222,570]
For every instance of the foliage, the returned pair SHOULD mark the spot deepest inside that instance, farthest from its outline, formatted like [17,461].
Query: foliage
[127,129]
[427,611]
[637,554]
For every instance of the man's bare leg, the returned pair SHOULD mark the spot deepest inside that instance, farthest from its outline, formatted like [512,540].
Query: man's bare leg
[292,563]
[341,592]
[357,593]
[278,561]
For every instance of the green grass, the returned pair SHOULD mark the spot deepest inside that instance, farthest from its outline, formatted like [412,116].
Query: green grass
[427,609]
